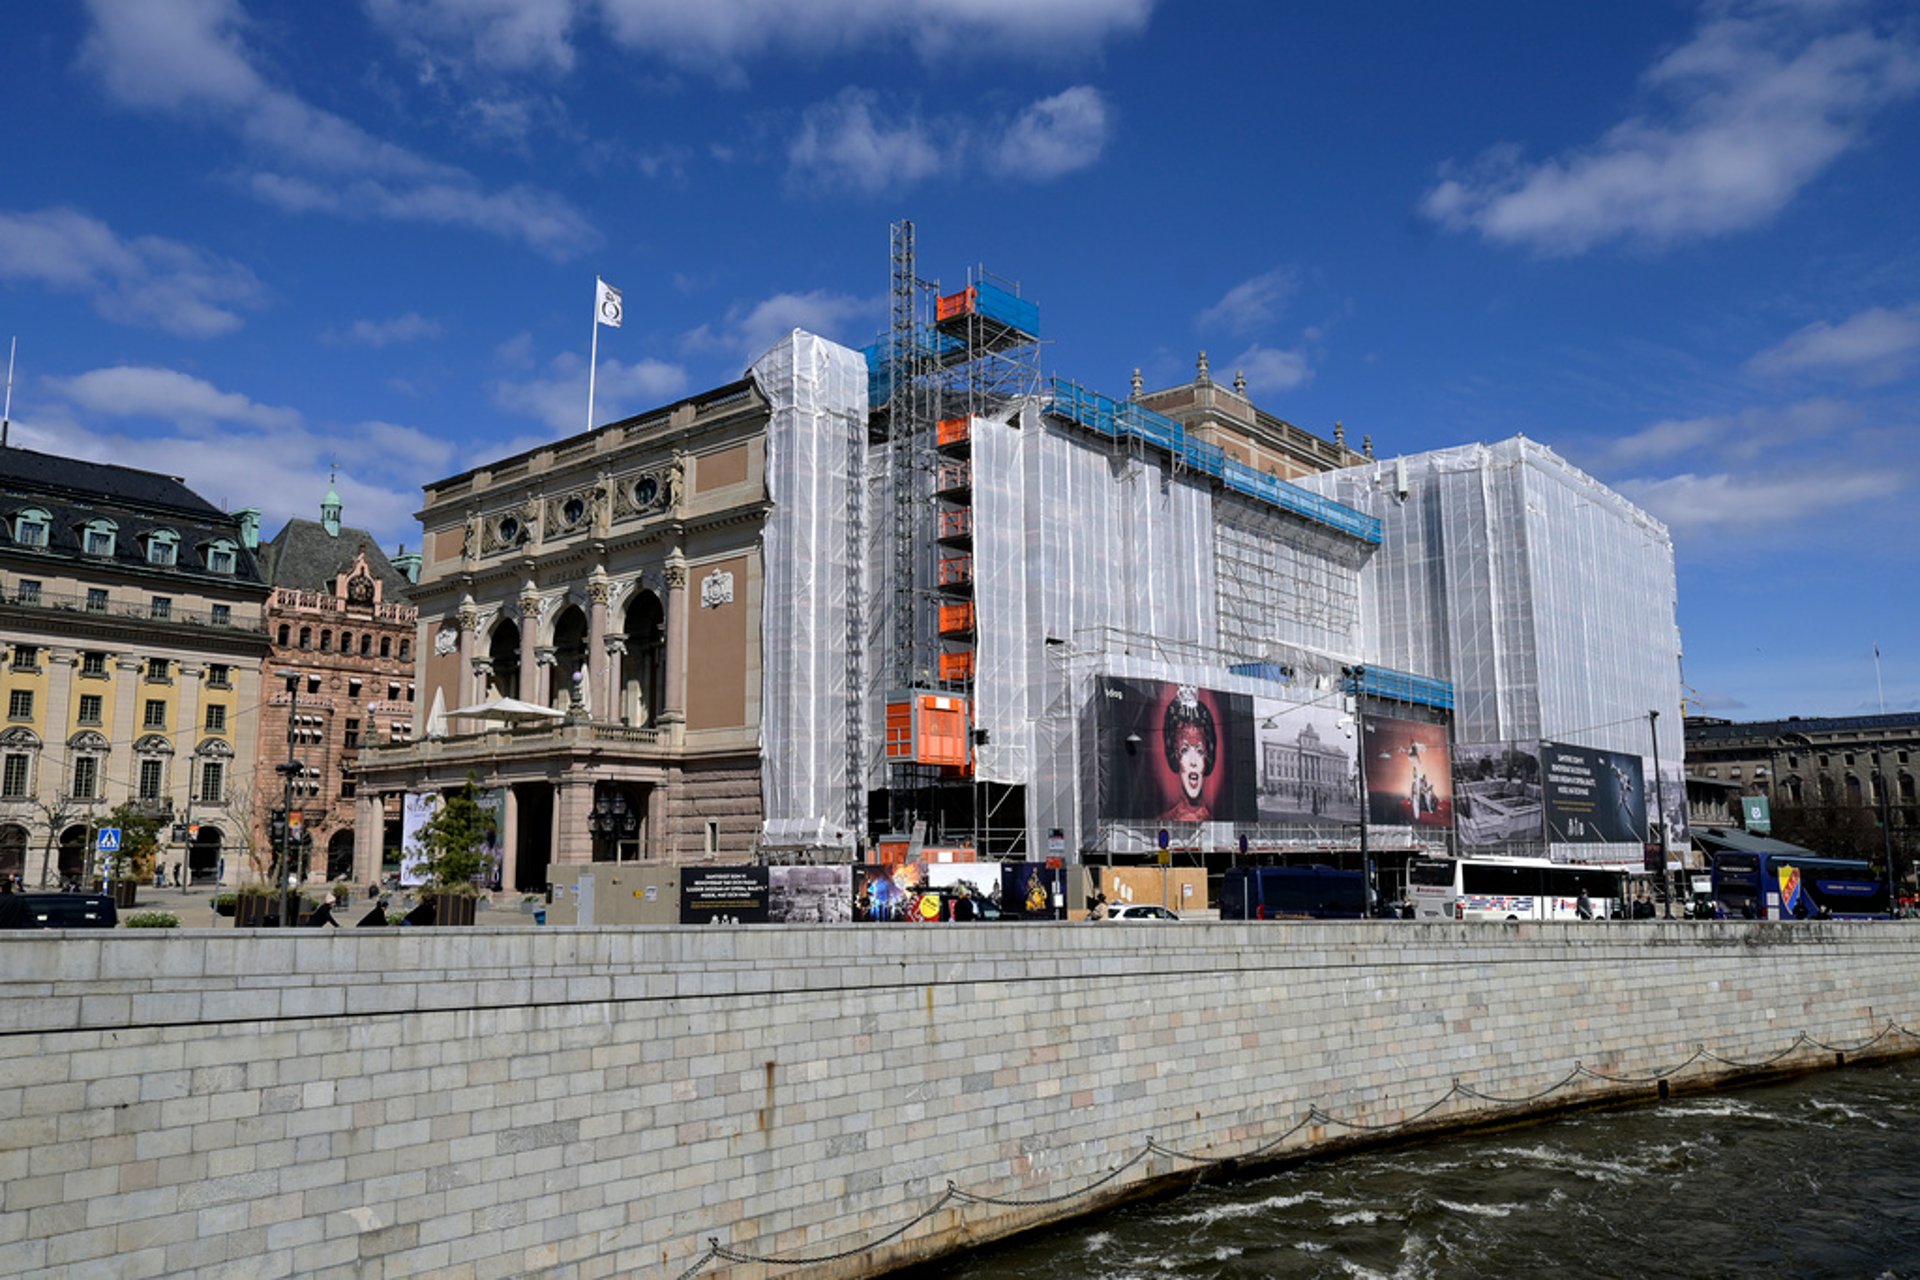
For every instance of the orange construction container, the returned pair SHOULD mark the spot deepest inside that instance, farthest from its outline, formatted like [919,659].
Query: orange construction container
[957,666]
[927,728]
[954,304]
[956,522]
[955,571]
[956,619]
[952,431]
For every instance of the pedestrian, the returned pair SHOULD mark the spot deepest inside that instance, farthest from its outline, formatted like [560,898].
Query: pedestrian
[179,876]
[1583,907]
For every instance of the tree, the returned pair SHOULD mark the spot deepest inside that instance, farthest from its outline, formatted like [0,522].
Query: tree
[139,841]
[451,847]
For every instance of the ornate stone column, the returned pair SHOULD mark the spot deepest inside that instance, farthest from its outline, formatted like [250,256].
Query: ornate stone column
[544,659]
[614,689]
[673,711]
[481,678]
[530,645]
[467,620]
[599,591]
[510,840]
[369,833]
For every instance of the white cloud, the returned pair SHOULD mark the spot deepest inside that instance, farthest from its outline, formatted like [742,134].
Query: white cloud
[842,143]
[1750,434]
[1251,303]
[130,391]
[411,327]
[559,399]
[1272,369]
[1723,500]
[507,35]
[748,331]
[1745,115]
[1055,135]
[719,35]
[146,280]
[1877,345]
[187,57]
[849,141]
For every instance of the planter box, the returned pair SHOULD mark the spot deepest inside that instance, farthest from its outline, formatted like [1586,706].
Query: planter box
[451,908]
[124,892]
[255,911]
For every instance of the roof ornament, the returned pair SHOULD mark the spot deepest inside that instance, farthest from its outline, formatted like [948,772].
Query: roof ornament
[1205,370]
[1240,381]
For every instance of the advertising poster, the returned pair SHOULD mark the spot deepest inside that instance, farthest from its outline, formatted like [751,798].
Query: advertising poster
[887,894]
[415,811]
[1592,796]
[1032,890]
[723,895]
[1175,754]
[1496,794]
[493,801]
[1309,768]
[809,895]
[1409,773]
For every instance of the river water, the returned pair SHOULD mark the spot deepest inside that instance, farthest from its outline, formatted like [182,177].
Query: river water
[1816,1177]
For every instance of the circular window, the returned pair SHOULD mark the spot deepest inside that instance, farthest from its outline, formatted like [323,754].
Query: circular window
[645,490]
[509,528]
[573,511]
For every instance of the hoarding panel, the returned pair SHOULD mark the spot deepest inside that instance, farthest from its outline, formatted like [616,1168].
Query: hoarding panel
[1176,753]
[1496,794]
[1409,773]
[809,895]
[1593,796]
[1309,768]
[723,895]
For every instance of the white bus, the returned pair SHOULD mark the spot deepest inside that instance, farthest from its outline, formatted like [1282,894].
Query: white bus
[1508,889]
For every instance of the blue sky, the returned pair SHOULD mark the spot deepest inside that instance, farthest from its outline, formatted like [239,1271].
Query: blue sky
[1677,242]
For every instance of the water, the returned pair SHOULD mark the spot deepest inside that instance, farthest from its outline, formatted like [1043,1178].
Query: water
[1817,1177]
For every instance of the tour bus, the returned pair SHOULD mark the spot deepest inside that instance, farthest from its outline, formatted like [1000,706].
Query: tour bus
[1786,886]
[1508,889]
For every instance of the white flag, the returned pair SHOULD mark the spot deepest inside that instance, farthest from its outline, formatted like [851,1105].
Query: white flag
[606,308]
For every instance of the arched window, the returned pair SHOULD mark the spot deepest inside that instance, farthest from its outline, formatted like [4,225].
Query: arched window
[386,646]
[366,644]
[150,756]
[306,637]
[406,650]
[30,527]
[163,546]
[326,640]
[346,642]
[19,753]
[283,635]
[1853,789]
[87,769]
[222,556]
[97,537]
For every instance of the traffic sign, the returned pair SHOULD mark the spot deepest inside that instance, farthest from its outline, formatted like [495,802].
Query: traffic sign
[109,840]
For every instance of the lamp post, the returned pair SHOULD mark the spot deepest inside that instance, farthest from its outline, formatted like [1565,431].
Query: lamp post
[1886,836]
[283,865]
[1355,675]
[1660,806]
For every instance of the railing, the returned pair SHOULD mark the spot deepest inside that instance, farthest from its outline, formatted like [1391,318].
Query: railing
[322,602]
[173,615]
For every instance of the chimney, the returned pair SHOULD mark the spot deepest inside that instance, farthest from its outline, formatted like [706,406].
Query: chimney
[249,518]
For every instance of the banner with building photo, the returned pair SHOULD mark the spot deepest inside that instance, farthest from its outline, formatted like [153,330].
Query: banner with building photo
[1496,794]
[1175,754]
[810,895]
[1592,796]
[1309,762]
[1409,773]
[723,895]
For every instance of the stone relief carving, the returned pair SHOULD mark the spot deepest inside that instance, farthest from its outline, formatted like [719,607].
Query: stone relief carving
[445,641]
[716,589]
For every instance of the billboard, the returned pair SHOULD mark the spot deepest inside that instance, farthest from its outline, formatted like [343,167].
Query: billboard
[1308,762]
[1175,753]
[1496,793]
[416,810]
[809,895]
[723,895]
[1593,796]
[882,894]
[1409,773]
[1032,891]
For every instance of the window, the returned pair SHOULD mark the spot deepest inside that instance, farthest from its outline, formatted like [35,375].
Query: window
[86,777]
[221,558]
[20,704]
[366,646]
[216,717]
[284,632]
[30,527]
[162,608]
[409,693]
[313,684]
[386,646]
[159,669]
[222,615]
[163,546]
[353,688]
[219,676]
[352,738]
[213,777]
[326,641]
[348,790]
[156,716]
[306,637]
[26,657]
[393,693]
[1734,773]
[96,599]
[27,591]
[406,647]
[96,538]
[346,642]
[14,773]
[712,841]
[92,708]
[152,775]
[1849,757]
[93,664]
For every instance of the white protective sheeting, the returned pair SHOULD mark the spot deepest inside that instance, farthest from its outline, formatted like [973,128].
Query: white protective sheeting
[816,391]
[1544,596]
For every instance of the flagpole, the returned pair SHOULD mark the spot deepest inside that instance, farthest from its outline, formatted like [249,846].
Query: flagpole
[593,358]
[1881,688]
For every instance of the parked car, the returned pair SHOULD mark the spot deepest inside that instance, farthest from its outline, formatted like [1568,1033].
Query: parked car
[1134,911]
[57,911]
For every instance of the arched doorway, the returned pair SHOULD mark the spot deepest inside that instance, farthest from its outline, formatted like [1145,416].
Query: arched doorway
[569,657]
[340,856]
[503,651]
[203,855]
[643,668]
[73,853]
[13,851]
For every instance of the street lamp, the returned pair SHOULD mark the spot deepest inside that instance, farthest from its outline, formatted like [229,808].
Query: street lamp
[614,819]
[1660,806]
[283,864]
[1355,675]
[1886,835]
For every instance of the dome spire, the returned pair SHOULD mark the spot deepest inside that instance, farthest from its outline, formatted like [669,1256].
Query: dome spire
[330,505]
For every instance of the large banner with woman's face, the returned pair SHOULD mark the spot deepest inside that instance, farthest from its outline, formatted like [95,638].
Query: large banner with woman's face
[1175,753]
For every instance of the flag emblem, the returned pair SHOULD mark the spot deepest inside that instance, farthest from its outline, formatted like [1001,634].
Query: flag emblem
[607,307]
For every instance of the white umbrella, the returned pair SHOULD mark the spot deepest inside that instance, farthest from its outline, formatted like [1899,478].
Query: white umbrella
[508,709]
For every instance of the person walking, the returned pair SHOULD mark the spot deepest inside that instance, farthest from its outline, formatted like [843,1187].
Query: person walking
[1583,907]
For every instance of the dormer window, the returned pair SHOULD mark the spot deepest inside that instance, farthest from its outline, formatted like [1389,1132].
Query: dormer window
[96,537]
[30,527]
[221,557]
[163,547]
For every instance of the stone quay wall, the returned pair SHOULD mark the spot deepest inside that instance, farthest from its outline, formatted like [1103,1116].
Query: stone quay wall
[577,1102]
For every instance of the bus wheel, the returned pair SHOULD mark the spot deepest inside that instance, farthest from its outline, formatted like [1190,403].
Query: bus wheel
[1513,917]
